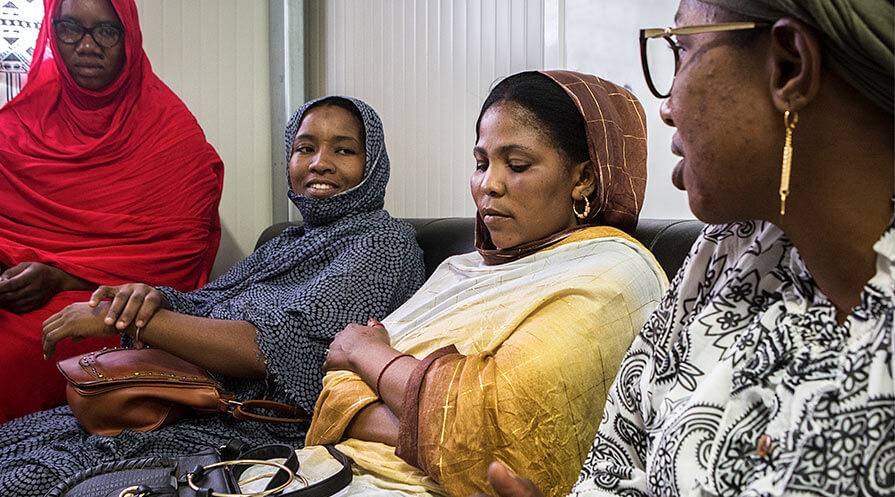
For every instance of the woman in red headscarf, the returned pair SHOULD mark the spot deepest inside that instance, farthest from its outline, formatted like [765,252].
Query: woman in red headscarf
[105,178]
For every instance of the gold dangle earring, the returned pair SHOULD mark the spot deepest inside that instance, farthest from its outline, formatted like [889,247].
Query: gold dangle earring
[789,122]
[582,215]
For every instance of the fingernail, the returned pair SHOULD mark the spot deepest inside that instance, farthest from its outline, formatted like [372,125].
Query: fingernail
[506,467]
[139,324]
[109,320]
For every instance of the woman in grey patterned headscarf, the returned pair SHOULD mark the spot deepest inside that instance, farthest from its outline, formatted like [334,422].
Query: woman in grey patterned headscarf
[265,325]
[767,369]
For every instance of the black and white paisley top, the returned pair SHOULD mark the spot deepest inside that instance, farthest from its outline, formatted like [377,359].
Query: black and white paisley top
[743,383]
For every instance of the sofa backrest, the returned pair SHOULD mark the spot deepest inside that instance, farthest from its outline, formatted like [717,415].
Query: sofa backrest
[668,239]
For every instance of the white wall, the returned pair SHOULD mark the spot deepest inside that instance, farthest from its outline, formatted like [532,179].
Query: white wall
[214,55]
[602,39]
[425,66]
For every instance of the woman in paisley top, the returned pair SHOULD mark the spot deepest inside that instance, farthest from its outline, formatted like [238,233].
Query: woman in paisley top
[768,367]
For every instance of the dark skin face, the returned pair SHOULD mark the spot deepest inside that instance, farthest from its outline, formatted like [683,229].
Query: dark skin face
[91,66]
[328,154]
[523,186]
[728,133]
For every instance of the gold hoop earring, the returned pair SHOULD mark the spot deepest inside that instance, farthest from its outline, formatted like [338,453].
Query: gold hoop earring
[789,123]
[582,215]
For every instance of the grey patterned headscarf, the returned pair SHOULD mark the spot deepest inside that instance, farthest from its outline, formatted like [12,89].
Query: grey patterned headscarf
[368,195]
[858,37]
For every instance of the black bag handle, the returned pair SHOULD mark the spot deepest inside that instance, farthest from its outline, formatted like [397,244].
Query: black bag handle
[331,485]
[110,474]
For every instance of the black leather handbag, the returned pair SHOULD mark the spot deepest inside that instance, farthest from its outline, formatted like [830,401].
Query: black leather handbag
[214,472]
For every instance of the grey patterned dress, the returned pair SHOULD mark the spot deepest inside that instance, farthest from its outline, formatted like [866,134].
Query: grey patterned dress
[349,262]
[743,383]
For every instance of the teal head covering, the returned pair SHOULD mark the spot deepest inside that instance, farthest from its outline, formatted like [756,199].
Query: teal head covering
[857,36]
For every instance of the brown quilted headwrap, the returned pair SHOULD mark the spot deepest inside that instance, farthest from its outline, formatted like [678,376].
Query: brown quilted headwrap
[616,132]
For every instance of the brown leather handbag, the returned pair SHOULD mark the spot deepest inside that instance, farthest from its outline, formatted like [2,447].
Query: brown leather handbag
[111,390]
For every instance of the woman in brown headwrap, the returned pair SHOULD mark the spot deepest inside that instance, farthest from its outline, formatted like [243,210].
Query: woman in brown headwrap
[505,353]
[768,367]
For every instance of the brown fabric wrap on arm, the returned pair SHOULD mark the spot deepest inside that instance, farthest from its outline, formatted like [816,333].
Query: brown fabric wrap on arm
[409,417]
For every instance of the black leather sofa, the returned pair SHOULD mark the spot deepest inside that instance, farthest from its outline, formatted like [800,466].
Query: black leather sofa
[668,239]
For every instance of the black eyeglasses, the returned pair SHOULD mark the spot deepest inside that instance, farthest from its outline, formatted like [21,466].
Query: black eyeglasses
[71,33]
[664,57]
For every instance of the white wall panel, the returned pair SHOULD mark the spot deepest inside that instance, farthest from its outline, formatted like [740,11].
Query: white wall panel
[602,38]
[214,55]
[425,66]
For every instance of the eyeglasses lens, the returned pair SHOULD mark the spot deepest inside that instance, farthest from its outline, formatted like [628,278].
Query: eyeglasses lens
[661,62]
[72,33]
[106,36]
[68,32]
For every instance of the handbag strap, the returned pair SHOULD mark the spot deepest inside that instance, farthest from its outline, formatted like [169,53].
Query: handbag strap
[323,488]
[332,484]
[265,452]
[293,414]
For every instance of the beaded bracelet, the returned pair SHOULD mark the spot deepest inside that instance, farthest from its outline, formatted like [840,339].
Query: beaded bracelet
[389,363]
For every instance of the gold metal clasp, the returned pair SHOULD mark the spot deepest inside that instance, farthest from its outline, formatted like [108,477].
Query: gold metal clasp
[132,492]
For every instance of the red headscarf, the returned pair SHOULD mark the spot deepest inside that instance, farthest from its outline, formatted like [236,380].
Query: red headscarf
[114,185]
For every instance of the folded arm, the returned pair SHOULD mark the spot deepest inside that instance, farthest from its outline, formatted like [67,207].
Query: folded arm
[365,351]
[374,423]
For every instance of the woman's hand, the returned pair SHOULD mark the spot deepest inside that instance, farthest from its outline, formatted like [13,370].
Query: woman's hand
[506,484]
[77,321]
[342,353]
[29,285]
[130,301]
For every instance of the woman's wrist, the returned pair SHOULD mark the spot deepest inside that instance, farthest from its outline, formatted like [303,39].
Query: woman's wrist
[382,371]
[367,358]
[66,282]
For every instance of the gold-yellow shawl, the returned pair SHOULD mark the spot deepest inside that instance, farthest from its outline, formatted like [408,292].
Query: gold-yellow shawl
[538,342]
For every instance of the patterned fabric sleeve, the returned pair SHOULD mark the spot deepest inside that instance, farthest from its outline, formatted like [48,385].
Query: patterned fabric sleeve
[181,302]
[192,303]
